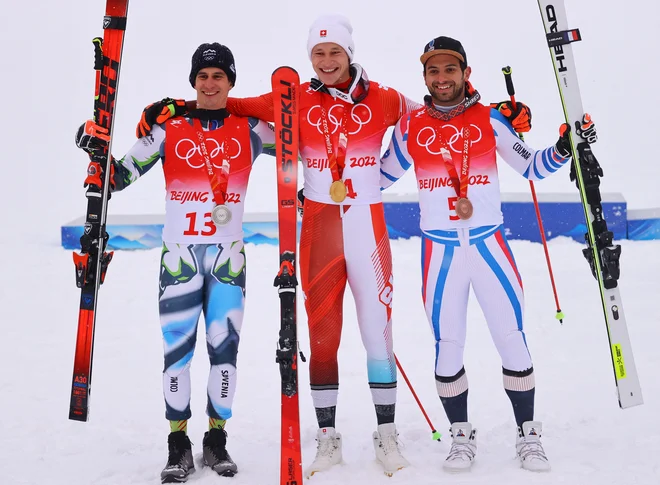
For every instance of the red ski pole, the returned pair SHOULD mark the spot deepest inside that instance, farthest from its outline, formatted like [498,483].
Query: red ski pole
[512,93]
[434,433]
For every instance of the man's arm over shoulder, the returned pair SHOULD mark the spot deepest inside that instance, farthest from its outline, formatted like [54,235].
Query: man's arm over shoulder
[396,160]
[395,105]
[260,107]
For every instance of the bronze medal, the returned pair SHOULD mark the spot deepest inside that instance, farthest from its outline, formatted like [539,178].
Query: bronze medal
[464,208]
[338,191]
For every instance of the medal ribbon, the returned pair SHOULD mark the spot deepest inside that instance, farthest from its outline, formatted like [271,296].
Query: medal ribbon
[336,161]
[460,182]
[219,181]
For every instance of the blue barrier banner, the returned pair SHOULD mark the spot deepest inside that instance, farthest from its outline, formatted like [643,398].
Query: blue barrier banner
[144,231]
[562,216]
[644,224]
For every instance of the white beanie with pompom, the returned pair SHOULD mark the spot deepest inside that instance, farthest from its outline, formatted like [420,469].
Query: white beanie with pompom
[332,28]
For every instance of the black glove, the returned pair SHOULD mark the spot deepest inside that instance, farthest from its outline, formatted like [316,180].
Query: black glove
[301,202]
[159,112]
[563,145]
[520,117]
[92,138]
[586,130]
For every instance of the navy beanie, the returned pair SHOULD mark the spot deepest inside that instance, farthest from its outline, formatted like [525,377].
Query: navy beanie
[213,55]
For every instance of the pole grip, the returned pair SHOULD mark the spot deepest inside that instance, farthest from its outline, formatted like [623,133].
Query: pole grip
[98,53]
[508,79]
[98,68]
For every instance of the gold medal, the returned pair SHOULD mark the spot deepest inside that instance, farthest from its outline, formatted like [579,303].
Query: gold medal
[338,191]
[464,208]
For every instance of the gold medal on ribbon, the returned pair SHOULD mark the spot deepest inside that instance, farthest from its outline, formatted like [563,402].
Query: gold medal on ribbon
[464,208]
[338,191]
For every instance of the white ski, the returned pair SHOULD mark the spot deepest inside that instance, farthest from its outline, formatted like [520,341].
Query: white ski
[602,254]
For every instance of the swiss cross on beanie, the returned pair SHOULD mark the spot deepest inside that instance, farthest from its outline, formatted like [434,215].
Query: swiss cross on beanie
[332,28]
[213,55]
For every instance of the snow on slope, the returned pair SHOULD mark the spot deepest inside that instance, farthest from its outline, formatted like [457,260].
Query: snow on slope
[589,440]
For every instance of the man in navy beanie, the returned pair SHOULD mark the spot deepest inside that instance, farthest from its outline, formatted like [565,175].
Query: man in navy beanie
[213,55]
[206,155]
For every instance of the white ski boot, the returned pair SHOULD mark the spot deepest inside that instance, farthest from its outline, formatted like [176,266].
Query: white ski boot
[386,446]
[463,448]
[529,448]
[328,451]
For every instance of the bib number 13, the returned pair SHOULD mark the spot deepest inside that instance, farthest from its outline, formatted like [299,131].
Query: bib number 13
[208,227]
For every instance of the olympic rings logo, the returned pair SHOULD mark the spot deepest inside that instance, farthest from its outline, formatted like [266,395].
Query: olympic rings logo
[360,114]
[425,139]
[186,149]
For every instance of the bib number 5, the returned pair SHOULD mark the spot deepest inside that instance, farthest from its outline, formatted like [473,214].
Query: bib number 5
[452,209]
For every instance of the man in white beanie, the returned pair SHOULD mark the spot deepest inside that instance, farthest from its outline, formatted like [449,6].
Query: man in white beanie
[328,36]
[344,236]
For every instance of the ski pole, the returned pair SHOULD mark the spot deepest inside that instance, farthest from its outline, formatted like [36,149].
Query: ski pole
[434,433]
[512,93]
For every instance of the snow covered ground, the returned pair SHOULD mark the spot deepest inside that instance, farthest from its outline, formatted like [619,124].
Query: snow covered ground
[47,82]
[589,440]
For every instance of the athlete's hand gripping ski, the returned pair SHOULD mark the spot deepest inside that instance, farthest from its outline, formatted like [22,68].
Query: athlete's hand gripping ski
[92,138]
[586,130]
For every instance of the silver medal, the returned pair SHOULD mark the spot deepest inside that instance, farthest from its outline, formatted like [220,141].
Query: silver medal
[221,215]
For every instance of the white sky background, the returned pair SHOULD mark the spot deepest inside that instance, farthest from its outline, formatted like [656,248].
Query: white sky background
[46,81]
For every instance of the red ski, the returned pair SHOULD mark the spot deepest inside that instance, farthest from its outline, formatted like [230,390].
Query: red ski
[92,261]
[286,86]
